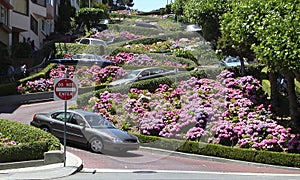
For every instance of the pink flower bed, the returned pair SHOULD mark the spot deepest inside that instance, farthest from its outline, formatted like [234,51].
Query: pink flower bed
[228,111]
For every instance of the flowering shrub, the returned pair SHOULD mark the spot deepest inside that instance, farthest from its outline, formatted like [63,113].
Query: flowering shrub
[115,35]
[294,144]
[155,47]
[87,76]
[226,111]
[141,60]
[5,141]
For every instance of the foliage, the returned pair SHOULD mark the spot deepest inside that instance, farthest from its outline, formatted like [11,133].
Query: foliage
[66,13]
[231,111]
[91,16]
[208,149]
[270,31]
[27,140]
[87,76]
[206,13]
[185,54]
[21,50]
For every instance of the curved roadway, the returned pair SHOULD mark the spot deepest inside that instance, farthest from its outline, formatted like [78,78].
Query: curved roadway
[146,158]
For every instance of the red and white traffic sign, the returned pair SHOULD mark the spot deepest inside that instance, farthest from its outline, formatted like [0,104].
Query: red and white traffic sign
[65,89]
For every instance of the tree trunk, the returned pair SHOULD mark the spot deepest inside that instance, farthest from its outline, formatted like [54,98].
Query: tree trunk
[243,71]
[293,103]
[274,92]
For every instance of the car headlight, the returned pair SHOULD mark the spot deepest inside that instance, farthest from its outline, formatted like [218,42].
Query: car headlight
[115,140]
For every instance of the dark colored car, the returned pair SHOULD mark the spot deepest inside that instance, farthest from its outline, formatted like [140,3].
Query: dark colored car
[84,59]
[86,128]
[142,74]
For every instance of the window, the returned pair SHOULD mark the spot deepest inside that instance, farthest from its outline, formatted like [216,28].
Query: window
[3,15]
[21,6]
[51,2]
[60,116]
[39,2]
[34,25]
[44,25]
[77,119]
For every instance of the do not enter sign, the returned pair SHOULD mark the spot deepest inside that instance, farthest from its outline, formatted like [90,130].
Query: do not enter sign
[65,89]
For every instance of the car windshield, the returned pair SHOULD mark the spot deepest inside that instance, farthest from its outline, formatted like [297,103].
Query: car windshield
[96,121]
[132,74]
[232,60]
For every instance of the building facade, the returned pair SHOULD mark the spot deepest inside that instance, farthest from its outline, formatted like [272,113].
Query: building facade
[27,20]
[5,28]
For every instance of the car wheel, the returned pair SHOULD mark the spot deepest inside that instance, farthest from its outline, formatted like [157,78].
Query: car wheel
[45,128]
[96,145]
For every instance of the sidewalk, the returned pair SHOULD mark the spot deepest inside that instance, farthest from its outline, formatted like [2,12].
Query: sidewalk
[51,171]
[52,166]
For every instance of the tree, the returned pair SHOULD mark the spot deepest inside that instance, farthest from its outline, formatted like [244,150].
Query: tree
[270,28]
[207,13]
[91,16]
[278,34]
[66,12]
[237,32]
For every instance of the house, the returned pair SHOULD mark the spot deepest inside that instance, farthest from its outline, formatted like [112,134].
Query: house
[5,28]
[32,20]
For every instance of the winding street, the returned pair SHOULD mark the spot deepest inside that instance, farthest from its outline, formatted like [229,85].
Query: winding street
[145,158]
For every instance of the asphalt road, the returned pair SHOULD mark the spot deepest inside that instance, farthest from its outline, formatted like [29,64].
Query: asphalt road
[151,162]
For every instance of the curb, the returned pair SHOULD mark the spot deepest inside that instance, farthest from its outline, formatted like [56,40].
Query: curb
[50,157]
[50,171]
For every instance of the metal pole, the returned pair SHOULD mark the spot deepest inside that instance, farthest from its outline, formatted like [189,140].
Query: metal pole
[65,124]
[65,135]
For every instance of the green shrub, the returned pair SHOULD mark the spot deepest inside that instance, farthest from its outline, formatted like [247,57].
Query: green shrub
[185,54]
[266,157]
[63,48]
[8,89]
[24,152]
[30,141]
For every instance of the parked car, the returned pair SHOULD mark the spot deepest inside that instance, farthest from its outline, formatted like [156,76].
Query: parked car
[230,61]
[193,28]
[142,74]
[92,41]
[103,24]
[84,59]
[86,128]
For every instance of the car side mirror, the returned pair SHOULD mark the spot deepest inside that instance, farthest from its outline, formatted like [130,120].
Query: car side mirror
[82,124]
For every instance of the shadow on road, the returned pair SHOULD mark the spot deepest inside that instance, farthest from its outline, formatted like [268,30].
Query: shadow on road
[9,108]
[106,153]
[122,154]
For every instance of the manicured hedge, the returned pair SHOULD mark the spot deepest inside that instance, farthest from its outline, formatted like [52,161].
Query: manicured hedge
[266,157]
[32,142]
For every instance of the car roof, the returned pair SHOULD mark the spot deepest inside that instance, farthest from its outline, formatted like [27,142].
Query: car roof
[80,111]
[148,68]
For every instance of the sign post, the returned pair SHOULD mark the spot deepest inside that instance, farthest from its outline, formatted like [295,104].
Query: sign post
[65,89]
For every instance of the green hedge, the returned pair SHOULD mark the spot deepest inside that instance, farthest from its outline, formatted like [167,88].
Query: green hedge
[32,142]
[8,89]
[266,157]
[62,48]
[24,152]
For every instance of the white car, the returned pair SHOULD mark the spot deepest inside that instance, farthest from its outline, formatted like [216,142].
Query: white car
[230,61]
[92,41]
[193,28]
